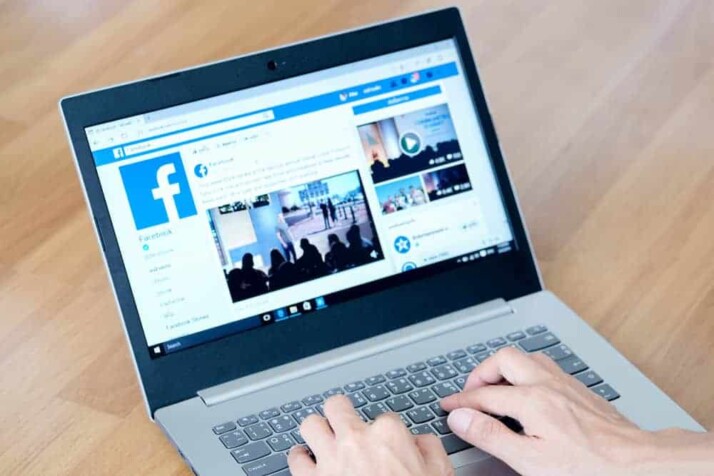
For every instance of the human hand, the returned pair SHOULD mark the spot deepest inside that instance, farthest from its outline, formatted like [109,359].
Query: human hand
[568,430]
[344,445]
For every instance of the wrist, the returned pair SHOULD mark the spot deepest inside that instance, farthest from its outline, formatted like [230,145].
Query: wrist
[668,452]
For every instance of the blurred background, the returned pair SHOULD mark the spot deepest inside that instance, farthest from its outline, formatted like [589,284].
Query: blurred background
[604,110]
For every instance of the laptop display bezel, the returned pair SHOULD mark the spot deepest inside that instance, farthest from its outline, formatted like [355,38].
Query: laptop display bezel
[178,376]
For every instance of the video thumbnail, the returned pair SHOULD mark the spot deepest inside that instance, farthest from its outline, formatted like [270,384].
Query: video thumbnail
[409,143]
[401,195]
[443,183]
[294,235]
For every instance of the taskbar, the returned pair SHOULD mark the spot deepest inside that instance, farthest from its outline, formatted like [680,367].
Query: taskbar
[303,307]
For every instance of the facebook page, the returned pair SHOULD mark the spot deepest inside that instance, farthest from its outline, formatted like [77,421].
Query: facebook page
[263,205]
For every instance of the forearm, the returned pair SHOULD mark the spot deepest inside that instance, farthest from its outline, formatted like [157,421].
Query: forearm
[677,452]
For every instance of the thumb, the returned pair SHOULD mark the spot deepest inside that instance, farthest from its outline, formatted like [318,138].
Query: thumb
[489,434]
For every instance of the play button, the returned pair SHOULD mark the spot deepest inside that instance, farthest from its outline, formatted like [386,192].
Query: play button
[410,143]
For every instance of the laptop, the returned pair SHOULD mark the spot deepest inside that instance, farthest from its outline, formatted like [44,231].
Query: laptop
[329,217]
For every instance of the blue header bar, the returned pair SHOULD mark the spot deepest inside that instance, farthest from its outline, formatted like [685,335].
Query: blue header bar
[292,109]
[394,100]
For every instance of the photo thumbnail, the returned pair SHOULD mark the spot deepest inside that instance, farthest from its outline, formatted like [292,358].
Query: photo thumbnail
[409,143]
[294,235]
[446,182]
[401,195]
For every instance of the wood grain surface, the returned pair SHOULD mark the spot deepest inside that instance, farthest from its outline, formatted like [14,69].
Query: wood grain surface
[605,110]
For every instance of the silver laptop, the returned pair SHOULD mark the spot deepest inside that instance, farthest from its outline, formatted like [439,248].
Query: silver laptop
[330,217]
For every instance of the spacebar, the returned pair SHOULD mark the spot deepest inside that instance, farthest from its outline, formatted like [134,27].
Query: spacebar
[265,466]
[453,444]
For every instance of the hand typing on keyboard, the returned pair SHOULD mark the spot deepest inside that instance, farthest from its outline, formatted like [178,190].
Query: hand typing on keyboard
[568,430]
[347,446]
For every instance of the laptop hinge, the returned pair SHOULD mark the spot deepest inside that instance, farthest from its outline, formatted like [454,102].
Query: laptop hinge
[352,352]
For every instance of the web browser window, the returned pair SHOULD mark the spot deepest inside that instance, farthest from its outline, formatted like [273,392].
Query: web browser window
[271,203]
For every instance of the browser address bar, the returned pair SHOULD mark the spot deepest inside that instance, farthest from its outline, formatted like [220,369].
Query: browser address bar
[199,132]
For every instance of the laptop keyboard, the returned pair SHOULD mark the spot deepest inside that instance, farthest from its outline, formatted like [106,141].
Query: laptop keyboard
[259,443]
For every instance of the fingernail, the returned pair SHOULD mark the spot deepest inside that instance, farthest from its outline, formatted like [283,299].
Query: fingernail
[460,419]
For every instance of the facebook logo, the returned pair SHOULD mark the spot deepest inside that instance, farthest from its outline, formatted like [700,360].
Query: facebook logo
[158,191]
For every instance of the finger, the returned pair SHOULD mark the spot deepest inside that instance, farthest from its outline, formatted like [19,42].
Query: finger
[499,400]
[507,364]
[341,415]
[317,434]
[490,435]
[548,363]
[433,453]
[300,462]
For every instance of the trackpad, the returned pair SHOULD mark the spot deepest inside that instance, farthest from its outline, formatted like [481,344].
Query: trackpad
[474,462]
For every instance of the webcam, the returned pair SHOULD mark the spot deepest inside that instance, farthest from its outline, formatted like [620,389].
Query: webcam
[272,65]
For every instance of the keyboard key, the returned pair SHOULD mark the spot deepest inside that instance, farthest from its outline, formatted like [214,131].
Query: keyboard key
[438,360]
[422,379]
[572,364]
[258,431]
[444,372]
[405,420]
[558,352]
[538,342]
[248,420]
[437,410]
[375,380]
[466,365]
[233,439]
[282,423]
[357,400]
[606,392]
[536,330]
[441,427]
[266,466]
[422,430]
[589,378]
[291,407]
[312,400]
[320,407]
[334,391]
[396,373]
[460,382]
[456,355]
[420,415]
[400,385]
[224,428]
[453,444]
[416,367]
[298,437]
[514,336]
[269,413]
[497,342]
[444,389]
[300,415]
[483,356]
[399,403]
[354,386]
[376,393]
[422,396]
[476,349]
[251,452]
[512,424]
[281,442]
[374,410]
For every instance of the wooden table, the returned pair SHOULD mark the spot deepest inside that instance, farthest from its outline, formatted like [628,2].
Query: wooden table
[605,109]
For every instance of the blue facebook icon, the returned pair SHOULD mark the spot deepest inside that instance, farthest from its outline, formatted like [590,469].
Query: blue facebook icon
[158,191]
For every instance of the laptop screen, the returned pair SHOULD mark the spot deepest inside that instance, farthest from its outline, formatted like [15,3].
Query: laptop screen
[272,203]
